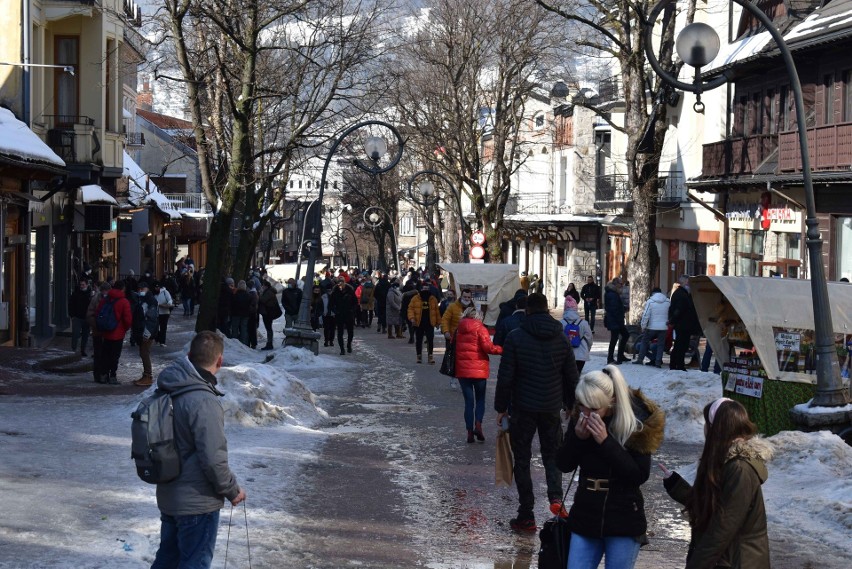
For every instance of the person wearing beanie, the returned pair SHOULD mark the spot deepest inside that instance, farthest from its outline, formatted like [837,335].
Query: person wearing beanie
[146,321]
[571,315]
[423,316]
[97,335]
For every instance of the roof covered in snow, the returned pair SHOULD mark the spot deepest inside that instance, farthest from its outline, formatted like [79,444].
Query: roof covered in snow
[18,141]
[145,192]
[95,194]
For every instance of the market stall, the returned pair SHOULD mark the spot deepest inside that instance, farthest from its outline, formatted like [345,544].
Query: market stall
[761,331]
[490,283]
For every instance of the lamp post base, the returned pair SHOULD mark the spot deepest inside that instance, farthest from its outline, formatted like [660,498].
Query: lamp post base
[812,418]
[302,338]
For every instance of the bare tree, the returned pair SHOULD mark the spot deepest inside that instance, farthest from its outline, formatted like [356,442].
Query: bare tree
[463,78]
[615,29]
[265,79]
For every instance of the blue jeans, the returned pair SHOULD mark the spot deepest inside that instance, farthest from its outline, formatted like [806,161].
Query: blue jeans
[187,542]
[647,340]
[586,552]
[471,388]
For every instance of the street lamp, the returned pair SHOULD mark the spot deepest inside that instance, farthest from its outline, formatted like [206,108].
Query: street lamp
[697,45]
[374,216]
[427,197]
[302,334]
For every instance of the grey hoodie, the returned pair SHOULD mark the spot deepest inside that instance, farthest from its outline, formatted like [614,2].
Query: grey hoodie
[205,479]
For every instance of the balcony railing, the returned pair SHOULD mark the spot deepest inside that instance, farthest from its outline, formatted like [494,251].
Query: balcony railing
[830,148]
[613,190]
[530,203]
[195,202]
[671,187]
[135,139]
[737,156]
[72,138]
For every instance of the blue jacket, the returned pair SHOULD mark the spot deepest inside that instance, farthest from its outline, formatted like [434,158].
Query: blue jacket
[507,325]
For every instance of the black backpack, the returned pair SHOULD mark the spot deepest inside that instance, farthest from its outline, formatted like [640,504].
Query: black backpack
[153,438]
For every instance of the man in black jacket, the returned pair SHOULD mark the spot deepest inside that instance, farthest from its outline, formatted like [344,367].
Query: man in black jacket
[291,299]
[537,376]
[591,295]
[684,320]
[78,305]
[341,303]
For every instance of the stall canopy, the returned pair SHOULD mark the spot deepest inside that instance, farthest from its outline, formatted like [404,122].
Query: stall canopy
[778,316]
[491,284]
[282,272]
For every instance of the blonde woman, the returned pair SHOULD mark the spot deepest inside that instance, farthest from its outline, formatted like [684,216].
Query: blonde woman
[614,429]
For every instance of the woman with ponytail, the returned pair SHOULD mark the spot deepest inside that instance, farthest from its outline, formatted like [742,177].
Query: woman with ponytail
[725,505]
[613,431]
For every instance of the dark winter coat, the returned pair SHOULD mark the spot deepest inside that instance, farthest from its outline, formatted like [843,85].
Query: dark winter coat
[268,305]
[145,310]
[79,303]
[573,294]
[620,511]
[367,292]
[473,345]
[199,424]
[226,301]
[682,313]
[241,305]
[507,325]
[736,536]
[393,306]
[591,292]
[342,302]
[509,307]
[123,315]
[291,299]
[613,309]
[381,293]
[538,372]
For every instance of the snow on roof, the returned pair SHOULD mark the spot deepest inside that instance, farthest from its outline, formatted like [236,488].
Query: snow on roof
[739,50]
[553,218]
[829,19]
[17,140]
[143,191]
[95,194]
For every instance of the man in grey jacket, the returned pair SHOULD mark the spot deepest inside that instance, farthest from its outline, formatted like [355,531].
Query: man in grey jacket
[189,505]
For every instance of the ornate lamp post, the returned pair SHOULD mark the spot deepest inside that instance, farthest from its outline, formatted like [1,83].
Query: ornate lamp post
[374,217]
[427,197]
[302,334]
[697,45]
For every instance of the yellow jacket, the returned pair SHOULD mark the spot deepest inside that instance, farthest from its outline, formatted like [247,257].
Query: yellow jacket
[415,311]
[452,315]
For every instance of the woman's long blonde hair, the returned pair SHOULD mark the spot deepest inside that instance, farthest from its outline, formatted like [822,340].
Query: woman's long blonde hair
[608,388]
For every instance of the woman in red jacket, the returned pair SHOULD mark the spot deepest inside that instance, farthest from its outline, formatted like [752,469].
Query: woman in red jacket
[473,344]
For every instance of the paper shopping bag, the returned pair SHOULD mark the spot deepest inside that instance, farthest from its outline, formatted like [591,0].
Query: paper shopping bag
[504,462]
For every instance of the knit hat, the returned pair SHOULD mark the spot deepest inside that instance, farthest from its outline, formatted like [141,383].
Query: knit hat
[570,303]
[229,281]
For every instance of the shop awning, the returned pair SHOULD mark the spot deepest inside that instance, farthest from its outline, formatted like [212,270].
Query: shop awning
[95,194]
[777,315]
[21,146]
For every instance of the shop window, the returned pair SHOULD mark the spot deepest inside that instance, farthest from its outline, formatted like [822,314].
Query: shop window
[560,256]
[696,258]
[749,249]
[844,247]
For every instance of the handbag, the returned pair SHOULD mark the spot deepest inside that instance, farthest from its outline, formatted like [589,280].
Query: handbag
[555,537]
[448,364]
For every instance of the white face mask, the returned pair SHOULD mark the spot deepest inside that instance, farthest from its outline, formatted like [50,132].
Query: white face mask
[465,302]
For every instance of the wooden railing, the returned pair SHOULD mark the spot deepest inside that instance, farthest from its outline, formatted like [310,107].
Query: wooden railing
[737,156]
[830,148]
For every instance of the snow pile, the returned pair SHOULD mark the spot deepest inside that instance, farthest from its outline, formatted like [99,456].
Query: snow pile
[810,475]
[263,395]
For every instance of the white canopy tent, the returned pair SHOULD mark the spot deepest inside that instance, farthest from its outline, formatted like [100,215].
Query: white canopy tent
[491,284]
[777,314]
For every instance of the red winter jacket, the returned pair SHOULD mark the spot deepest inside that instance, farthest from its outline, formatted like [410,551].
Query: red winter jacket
[122,313]
[473,344]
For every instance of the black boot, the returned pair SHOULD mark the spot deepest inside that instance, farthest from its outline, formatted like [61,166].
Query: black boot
[267,346]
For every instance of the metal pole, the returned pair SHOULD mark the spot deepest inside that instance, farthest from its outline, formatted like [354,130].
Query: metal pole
[829,391]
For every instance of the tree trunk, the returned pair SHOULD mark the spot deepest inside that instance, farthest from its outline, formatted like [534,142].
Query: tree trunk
[218,243]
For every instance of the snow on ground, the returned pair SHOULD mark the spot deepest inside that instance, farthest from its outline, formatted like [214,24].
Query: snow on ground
[72,498]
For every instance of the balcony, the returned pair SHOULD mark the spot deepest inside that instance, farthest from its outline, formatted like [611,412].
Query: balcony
[671,189]
[135,138]
[195,202]
[72,138]
[530,203]
[737,156]
[830,147]
[612,191]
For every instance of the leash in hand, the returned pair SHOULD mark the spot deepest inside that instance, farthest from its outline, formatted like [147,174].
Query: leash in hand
[228,540]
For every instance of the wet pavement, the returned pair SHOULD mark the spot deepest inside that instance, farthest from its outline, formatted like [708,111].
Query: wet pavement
[398,486]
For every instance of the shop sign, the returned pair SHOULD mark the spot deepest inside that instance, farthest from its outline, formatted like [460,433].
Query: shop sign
[751,212]
[749,385]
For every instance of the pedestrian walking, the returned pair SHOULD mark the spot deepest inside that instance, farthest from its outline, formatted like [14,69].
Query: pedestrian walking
[611,435]
[380,295]
[725,505]
[97,335]
[240,311]
[409,293]
[423,316]
[473,346]
[614,321]
[78,305]
[451,318]
[654,322]
[291,300]
[342,304]
[329,322]
[146,320]
[393,306]
[165,303]
[253,321]
[317,307]
[449,298]
[572,292]
[113,340]
[511,322]
[269,310]
[189,505]
[582,344]
[537,376]
[684,319]
[368,303]
[510,306]
[591,295]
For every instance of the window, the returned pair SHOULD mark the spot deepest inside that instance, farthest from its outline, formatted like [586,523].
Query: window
[539,121]
[67,88]
[749,248]
[828,99]
[300,184]
[292,183]
[844,247]
[771,114]
[743,121]
[785,104]
[756,114]
[847,95]
[309,184]
[406,224]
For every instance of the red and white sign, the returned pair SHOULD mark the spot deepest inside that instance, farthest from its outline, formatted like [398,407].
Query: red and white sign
[477,252]
[477,238]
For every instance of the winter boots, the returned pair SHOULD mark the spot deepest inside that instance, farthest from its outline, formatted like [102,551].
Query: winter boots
[470,436]
[477,430]
[144,381]
[431,360]
[419,358]
[112,379]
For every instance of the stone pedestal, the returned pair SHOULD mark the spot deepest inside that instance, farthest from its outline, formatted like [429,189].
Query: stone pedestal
[838,420]
[302,338]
